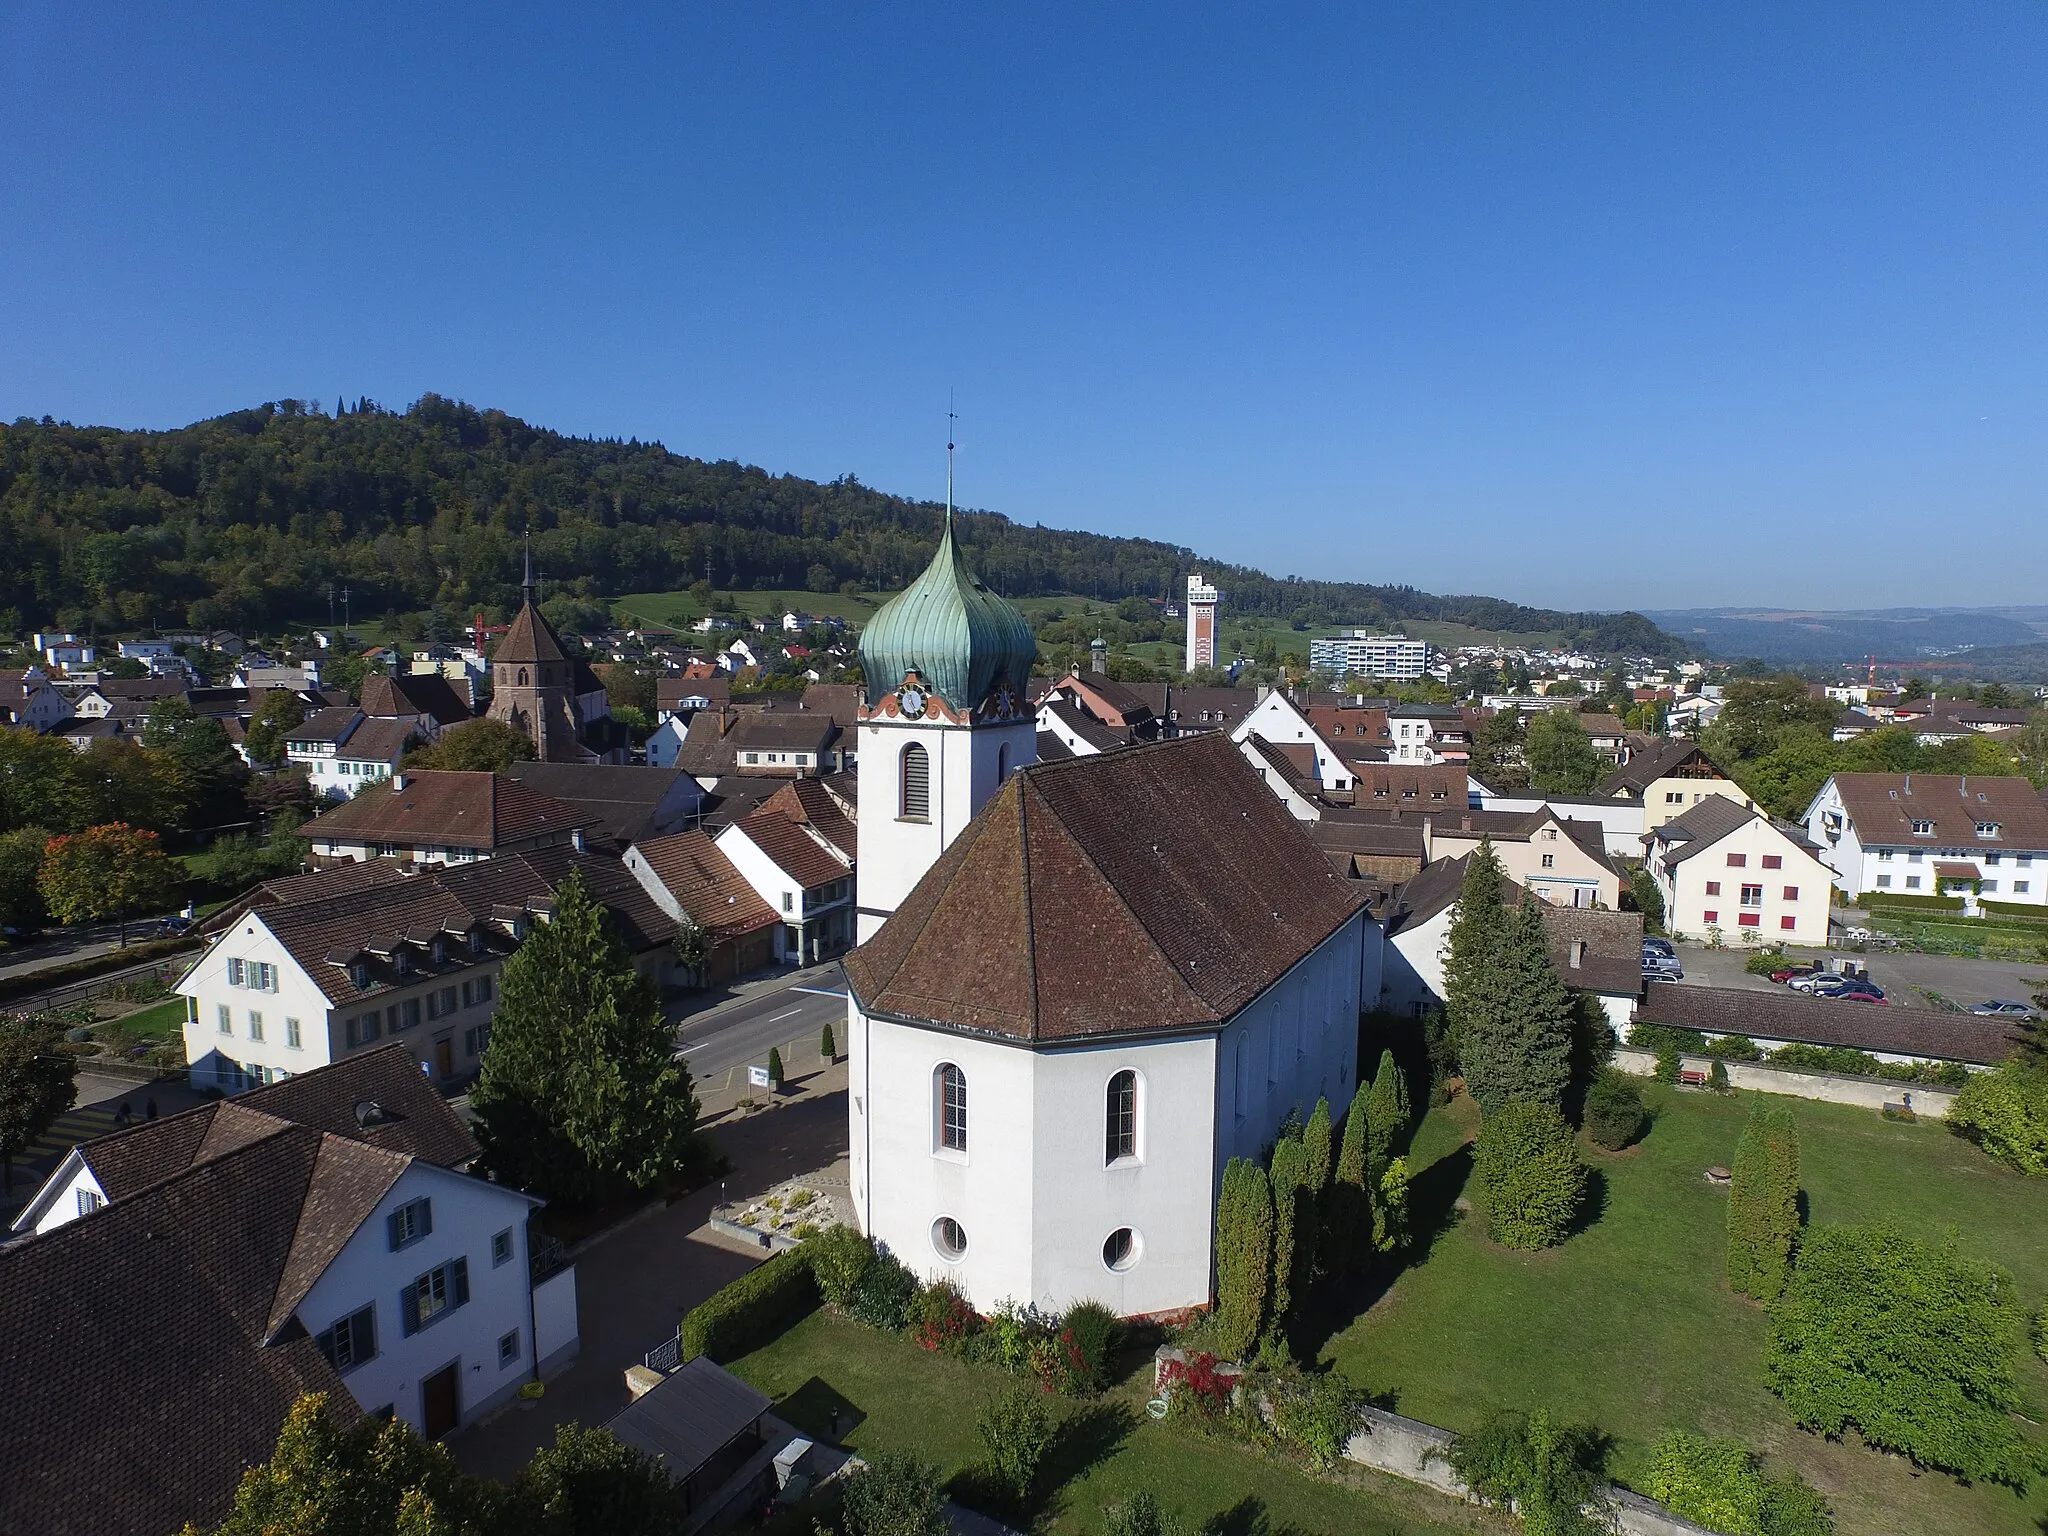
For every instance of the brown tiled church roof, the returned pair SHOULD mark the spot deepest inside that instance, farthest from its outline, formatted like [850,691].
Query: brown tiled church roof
[1155,888]
[529,639]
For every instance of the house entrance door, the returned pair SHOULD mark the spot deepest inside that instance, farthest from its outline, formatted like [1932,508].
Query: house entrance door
[444,1056]
[441,1401]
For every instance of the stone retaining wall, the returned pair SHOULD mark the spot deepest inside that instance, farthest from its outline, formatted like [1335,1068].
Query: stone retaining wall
[1928,1100]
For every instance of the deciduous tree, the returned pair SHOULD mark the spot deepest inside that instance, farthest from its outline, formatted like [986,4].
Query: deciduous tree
[482,745]
[37,1082]
[1560,754]
[105,872]
[275,717]
[581,1097]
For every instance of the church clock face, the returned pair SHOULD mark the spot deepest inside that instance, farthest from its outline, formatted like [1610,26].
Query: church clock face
[911,701]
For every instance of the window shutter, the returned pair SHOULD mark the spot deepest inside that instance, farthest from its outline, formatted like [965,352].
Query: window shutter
[459,1274]
[426,1217]
[409,1309]
[391,1228]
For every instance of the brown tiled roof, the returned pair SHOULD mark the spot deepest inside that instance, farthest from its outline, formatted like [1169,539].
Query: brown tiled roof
[1167,862]
[734,797]
[707,885]
[791,848]
[1602,725]
[1650,764]
[105,1436]
[529,639]
[1702,826]
[422,693]
[839,700]
[1884,807]
[1339,830]
[1101,737]
[348,1181]
[1613,957]
[621,800]
[1111,702]
[1787,1015]
[1186,706]
[141,687]
[415,1122]
[813,803]
[449,808]
[1434,787]
[326,724]
[1347,725]
[669,692]
[1294,762]
[377,741]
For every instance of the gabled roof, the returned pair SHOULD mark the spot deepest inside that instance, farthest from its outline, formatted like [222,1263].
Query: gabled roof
[1294,762]
[1101,737]
[1188,885]
[790,847]
[1435,787]
[529,639]
[624,802]
[707,885]
[329,725]
[449,808]
[422,693]
[812,803]
[1653,763]
[1703,825]
[1884,807]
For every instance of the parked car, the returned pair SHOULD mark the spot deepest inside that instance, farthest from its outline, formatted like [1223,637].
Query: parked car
[1662,947]
[1859,997]
[1668,971]
[174,927]
[2005,1008]
[1846,986]
[1790,972]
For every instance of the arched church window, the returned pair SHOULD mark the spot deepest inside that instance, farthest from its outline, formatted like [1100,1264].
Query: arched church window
[1120,1129]
[1002,762]
[916,785]
[949,1106]
[522,677]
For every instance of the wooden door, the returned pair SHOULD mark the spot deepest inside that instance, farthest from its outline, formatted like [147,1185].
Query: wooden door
[441,1401]
[444,1057]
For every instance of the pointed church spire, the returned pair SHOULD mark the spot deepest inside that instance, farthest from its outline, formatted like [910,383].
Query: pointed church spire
[526,585]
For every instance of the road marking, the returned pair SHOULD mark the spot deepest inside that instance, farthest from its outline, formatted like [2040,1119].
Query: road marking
[818,991]
[787,1014]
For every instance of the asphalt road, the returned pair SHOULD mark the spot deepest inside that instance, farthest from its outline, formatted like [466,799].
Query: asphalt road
[722,1042]
[1903,975]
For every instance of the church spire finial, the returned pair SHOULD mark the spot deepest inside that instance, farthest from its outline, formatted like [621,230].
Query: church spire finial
[526,585]
[951,417]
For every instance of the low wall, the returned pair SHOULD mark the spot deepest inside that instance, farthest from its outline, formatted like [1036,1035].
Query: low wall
[1928,1100]
[555,1336]
[1420,1453]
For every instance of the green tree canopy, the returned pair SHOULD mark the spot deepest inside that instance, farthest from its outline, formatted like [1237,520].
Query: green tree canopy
[1244,1257]
[1518,1041]
[280,711]
[1763,1202]
[1560,754]
[580,1096]
[482,745]
[1477,929]
[105,872]
[37,1082]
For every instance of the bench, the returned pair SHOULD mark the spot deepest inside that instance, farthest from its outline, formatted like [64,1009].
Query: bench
[1694,1077]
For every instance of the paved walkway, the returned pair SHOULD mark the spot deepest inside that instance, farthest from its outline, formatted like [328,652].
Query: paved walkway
[97,1102]
[633,1287]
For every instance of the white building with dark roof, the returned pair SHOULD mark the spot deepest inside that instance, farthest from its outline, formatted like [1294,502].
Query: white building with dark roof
[1981,837]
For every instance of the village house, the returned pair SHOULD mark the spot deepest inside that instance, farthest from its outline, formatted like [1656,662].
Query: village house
[1982,837]
[1725,868]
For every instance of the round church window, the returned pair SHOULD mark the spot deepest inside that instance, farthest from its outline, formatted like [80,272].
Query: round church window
[949,1237]
[1120,1249]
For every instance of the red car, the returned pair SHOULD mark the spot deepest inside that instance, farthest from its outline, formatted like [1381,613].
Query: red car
[1859,997]
[1785,975]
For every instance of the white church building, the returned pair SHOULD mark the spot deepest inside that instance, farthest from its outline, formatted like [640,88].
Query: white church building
[1083,986]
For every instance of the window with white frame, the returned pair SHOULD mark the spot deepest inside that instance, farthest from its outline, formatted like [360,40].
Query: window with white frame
[224,1018]
[255,1025]
[410,1222]
[434,1294]
[501,1248]
[508,1349]
[89,1200]
[949,1096]
[351,1341]
[1120,1129]
[291,1034]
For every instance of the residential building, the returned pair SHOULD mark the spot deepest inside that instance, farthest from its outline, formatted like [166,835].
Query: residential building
[28,700]
[1669,777]
[445,816]
[1564,861]
[761,741]
[1728,868]
[625,804]
[344,750]
[1983,837]
[316,968]
[689,877]
[1361,653]
[317,1238]
[797,852]
[427,703]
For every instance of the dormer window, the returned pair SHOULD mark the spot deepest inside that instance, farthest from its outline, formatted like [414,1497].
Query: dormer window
[1987,829]
[476,941]
[359,975]
[1923,829]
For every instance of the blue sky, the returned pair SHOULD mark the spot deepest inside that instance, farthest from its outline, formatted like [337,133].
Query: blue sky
[1588,305]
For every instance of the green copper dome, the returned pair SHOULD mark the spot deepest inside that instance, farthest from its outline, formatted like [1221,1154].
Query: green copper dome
[947,627]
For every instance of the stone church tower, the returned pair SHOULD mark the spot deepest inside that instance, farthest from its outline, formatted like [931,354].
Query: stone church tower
[550,697]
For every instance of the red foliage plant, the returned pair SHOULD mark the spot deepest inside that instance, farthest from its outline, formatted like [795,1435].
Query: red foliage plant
[1208,1389]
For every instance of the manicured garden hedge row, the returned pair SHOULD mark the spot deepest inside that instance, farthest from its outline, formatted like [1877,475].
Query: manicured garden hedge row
[2020,910]
[751,1310]
[1875,900]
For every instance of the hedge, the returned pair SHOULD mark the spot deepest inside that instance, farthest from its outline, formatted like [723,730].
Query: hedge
[751,1310]
[2018,909]
[1872,900]
[1763,1202]
[56,977]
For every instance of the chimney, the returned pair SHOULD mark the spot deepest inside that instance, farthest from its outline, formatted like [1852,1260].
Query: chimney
[1263,691]
[1465,823]
[398,783]
[1578,953]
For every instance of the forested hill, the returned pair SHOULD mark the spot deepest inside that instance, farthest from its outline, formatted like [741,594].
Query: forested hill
[245,520]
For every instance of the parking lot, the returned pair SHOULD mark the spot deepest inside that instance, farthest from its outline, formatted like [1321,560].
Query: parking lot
[1905,977]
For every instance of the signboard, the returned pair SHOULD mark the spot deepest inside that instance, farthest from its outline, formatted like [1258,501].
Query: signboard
[757,1077]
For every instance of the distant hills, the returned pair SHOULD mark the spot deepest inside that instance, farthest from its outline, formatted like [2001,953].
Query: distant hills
[1964,639]
[248,520]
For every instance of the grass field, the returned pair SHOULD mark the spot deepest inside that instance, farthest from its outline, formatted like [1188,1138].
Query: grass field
[1630,1324]
[677,610]
[153,1025]
[891,1395]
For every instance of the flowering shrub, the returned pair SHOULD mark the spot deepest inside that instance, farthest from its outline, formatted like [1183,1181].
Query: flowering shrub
[1197,1386]
[940,1319]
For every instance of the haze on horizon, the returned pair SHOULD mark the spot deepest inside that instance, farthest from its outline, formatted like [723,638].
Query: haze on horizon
[1596,308]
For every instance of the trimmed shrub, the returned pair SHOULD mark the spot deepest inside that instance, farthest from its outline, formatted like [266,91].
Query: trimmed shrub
[1390,1209]
[774,1067]
[1877,901]
[1825,1058]
[1663,1037]
[2005,1112]
[882,1297]
[1386,1114]
[1911,1343]
[1318,1418]
[1244,1257]
[1733,1048]
[828,1044]
[1016,1434]
[1614,1110]
[1093,1332]
[1717,1076]
[894,1496]
[1139,1515]
[1763,1202]
[1534,1180]
[1669,1065]
[749,1311]
[839,1256]
[1717,1483]
[1547,1471]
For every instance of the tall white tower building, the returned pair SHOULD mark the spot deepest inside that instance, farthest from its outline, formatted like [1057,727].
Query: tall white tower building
[947,664]
[1201,623]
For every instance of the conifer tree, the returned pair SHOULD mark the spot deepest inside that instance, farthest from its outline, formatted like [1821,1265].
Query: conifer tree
[1319,1157]
[1316,1144]
[1519,1045]
[1476,932]
[1386,1116]
[1244,1257]
[581,1096]
[1290,1206]
[1763,1202]
[1348,1220]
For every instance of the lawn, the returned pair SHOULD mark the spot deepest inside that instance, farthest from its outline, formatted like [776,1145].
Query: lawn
[1630,1325]
[677,610]
[153,1025]
[891,1395]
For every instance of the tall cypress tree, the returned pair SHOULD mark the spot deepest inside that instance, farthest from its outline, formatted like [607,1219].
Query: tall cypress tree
[1290,1205]
[1476,932]
[1347,1220]
[1386,1116]
[1520,1042]
[1244,1257]
[1763,1202]
[1319,1162]
[581,1096]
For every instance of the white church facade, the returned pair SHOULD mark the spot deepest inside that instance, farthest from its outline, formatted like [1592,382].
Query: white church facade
[1082,988]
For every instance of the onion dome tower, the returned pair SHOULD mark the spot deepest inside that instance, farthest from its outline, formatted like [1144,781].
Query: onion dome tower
[947,664]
